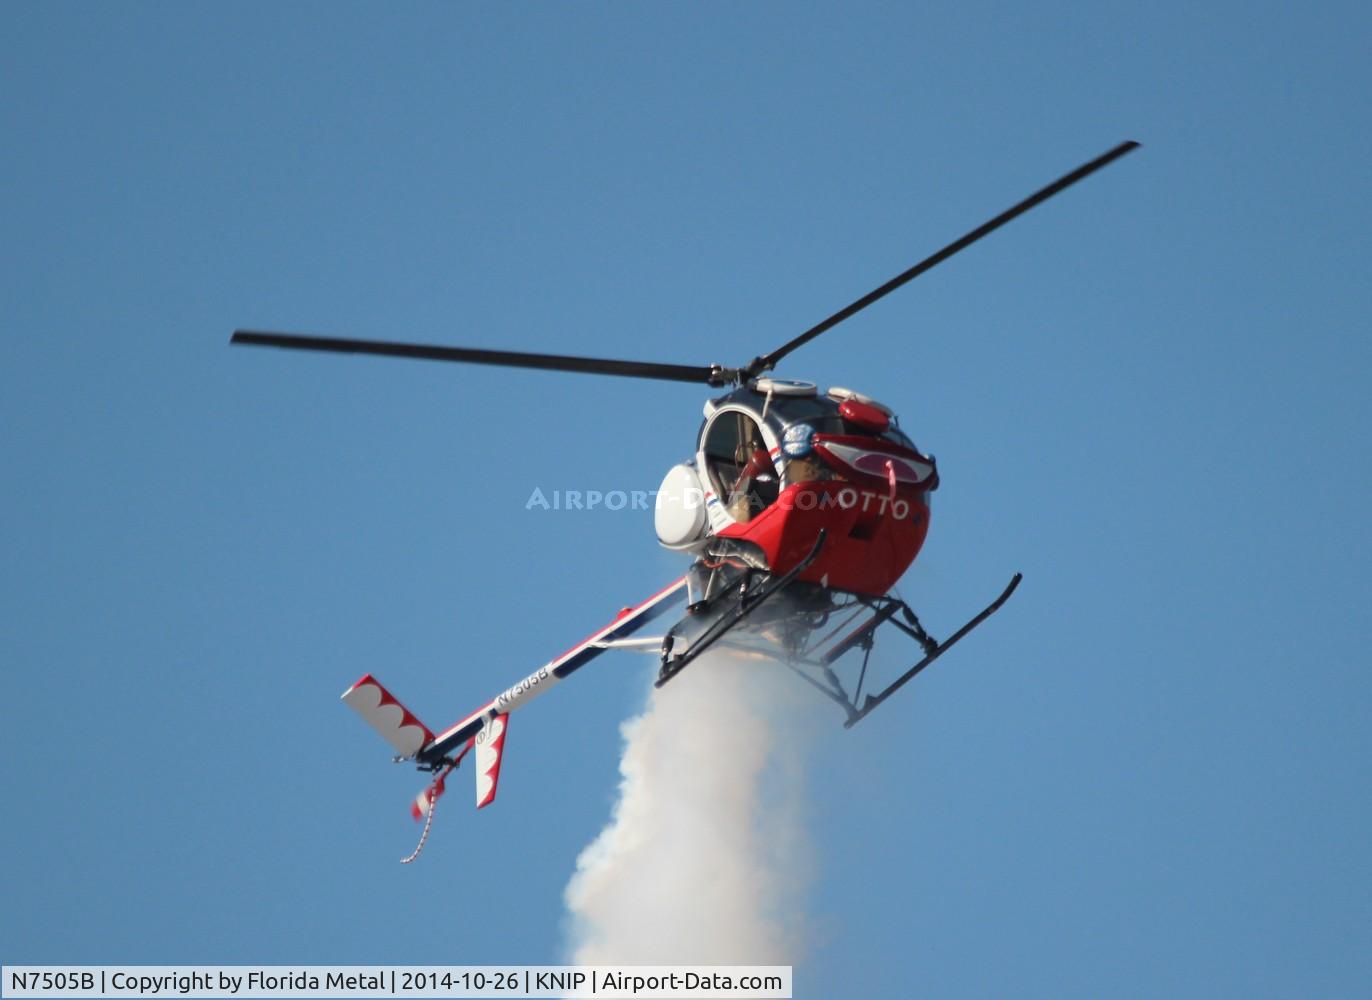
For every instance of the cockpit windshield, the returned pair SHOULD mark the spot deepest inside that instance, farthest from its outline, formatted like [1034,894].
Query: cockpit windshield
[739,466]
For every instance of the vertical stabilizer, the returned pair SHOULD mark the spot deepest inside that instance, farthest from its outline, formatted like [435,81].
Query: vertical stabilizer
[490,742]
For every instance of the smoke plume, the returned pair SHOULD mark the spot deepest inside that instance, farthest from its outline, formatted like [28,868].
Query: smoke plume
[705,857]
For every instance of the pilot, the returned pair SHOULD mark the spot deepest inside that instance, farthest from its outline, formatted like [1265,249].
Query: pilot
[802,464]
[756,486]
[805,469]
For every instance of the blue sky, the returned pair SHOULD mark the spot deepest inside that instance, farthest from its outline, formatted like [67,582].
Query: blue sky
[1147,776]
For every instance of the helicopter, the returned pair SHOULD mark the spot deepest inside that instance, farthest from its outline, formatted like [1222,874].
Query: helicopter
[800,510]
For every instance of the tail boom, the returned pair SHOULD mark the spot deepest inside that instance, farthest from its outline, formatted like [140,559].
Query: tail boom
[628,621]
[484,730]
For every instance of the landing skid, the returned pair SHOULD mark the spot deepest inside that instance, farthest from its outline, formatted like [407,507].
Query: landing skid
[931,654]
[793,636]
[815,663]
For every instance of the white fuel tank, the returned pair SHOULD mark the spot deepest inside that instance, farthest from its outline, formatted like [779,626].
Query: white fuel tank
[680,514]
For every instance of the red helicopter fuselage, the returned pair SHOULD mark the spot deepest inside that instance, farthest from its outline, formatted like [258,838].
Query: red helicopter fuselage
[873,532]
[778,462]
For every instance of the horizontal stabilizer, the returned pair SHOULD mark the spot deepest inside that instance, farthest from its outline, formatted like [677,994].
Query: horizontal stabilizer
[396,724]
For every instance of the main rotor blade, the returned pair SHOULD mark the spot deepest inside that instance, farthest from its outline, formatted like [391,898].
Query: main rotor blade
[768,361]
[712,375]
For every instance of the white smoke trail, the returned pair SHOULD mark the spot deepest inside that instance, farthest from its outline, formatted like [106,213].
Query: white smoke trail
[705,859]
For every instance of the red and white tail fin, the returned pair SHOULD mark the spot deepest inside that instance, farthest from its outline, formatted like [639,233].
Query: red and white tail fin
[489,744]
[396,723]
